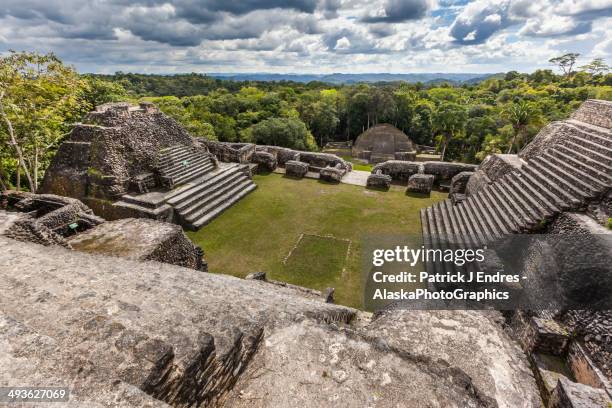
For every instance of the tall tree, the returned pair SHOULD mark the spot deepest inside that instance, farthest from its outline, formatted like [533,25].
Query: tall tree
[566,62]
[596,67]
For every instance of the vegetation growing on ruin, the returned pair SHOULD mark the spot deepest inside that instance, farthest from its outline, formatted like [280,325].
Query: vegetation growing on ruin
[258,233]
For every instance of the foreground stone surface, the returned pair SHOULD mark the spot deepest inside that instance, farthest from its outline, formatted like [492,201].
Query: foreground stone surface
[141,239]
[127,333]
[109,326]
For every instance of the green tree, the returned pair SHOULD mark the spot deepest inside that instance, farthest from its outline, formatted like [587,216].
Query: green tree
[283,132]
[520,115]
[39,98]
[448,120]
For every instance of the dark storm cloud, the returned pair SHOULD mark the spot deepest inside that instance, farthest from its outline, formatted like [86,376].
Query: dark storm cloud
[397,11]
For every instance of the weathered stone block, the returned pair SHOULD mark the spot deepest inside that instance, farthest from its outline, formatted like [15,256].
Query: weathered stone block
[420,183]
[445,170]
[459,182]
[266,161]
[295,168]
[569,394]
[379,181]
[398,170]
[406,156]
[332,174]
[141,239]
[546,336]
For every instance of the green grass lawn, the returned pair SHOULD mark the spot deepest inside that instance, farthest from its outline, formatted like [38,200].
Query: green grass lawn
[261,232]
[358,165]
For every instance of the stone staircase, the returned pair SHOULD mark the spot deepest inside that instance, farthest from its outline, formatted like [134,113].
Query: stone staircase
[180,164]
[200,203]
[569,173]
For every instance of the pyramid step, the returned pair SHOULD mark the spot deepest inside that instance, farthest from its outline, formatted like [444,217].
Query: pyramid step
[538,211]
[570,166]
[434,238]
[591,158]
[179,167]
[488,204]
[593,131]
[530,217]
[426,238]
[474,238]
[586,168]
[193,173]
[568,179]
[462,232]
[236,188]
[447,228]
[177,157]
[206,218]
[476,225]
[484,217]
[590,145]
[515,222]
[205,183]
[550,186]
[205,196]
[552,206]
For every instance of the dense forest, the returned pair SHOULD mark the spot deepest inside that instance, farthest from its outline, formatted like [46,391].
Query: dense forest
[41,98]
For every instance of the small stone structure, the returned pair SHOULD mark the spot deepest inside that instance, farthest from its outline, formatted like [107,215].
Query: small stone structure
[266,161]
[379,181]
[401,171]
[231,152]
[332,174]
[383,142]
[459,183]
[46,219]
[420,183]
[296,168]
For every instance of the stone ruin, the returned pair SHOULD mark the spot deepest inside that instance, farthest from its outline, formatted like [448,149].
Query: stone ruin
[561,183]
[49,220]
[402,172]
[384,142]
[297,164]
[125,161]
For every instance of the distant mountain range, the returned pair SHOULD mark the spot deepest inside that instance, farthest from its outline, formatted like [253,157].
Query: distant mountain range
[354,78]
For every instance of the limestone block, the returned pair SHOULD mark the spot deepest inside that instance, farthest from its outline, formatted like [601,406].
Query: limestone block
[546,336]
[420,183]
[379,181]
[406,156]
[332,174]
[398,170]
[459,182]
[569,394]
[265,160]
[141,239]
[295,168]
[445,170]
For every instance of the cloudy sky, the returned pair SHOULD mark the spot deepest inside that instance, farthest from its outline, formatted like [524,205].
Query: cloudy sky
[308,36]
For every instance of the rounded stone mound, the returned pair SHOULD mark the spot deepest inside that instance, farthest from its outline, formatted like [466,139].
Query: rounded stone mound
[382,141]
